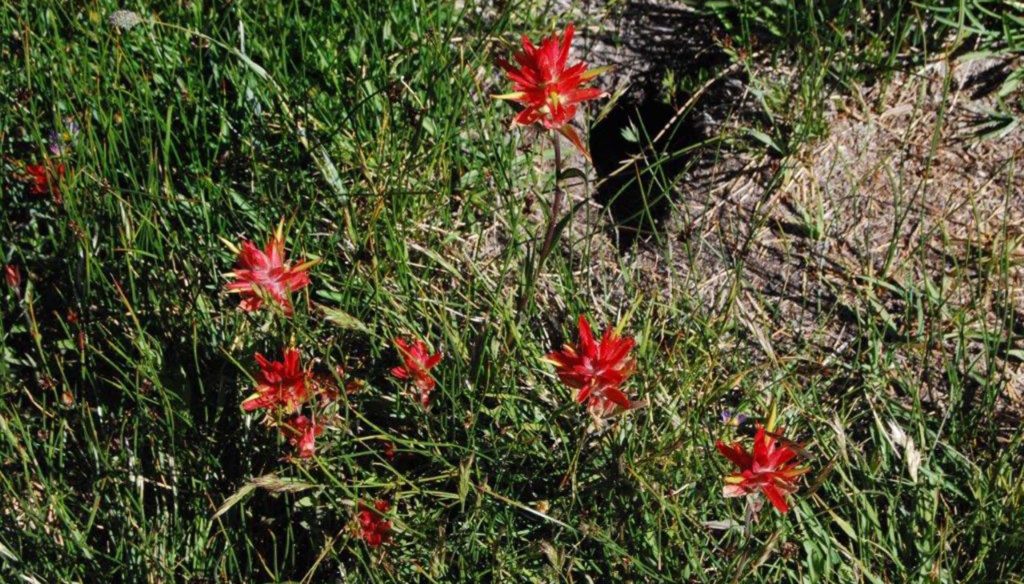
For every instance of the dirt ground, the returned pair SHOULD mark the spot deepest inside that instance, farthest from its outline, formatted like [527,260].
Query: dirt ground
[901,214]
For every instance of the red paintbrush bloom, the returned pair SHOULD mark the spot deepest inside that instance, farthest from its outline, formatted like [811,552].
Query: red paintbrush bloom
[13,276]
[596,369]
[546,87]
[262,273]
[301,433]
[373,528]
[281,385]
[44,180]
[767,469]
[417,365]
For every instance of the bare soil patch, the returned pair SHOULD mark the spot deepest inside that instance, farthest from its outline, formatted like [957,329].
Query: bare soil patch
[902,217]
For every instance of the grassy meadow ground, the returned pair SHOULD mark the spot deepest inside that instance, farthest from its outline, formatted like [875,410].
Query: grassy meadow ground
[835,236]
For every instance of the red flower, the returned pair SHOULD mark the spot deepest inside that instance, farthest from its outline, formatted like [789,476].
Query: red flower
[301,433]
[374,529]
[13,276]
[262,273]
[417,365]
[44,180]
[596,369]
[280,384]
[767,469]
[548,90]
[389,450]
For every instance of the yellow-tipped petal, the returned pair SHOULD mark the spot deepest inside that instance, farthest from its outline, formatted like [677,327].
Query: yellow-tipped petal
[307,264]
[279,233]
[591,73]
[512,96]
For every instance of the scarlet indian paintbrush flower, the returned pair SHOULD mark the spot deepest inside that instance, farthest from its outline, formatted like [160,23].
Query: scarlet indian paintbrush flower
[595,369]
[301,432]
[768,469]
[280,385]
[548,89]
[263,273]
[417,363]
[44,180]
[373,528]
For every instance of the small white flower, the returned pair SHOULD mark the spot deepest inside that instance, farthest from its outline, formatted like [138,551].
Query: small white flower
[124,19]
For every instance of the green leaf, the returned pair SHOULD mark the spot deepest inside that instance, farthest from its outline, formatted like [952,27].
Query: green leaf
[344,320]
[1011,83]
[464,480]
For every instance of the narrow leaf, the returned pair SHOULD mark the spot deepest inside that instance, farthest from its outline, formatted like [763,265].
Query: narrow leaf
[344,320]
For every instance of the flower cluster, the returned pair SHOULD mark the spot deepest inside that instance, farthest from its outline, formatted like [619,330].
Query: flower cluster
[374,529]
[548,88]
[295,400]
[266,274]
[416,365]
[283,389]
[281,385]
[596,369]
[767,470]
[300,404]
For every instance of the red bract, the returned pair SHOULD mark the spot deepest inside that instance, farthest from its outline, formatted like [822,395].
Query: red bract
[373,528]
[301,433]
[417,365]
[596,369]
[262,273]
[13,276]
[546,87]
[280,385]
[45,179]
[767,469]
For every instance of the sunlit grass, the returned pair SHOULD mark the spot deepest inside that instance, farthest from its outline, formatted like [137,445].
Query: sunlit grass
[126,455]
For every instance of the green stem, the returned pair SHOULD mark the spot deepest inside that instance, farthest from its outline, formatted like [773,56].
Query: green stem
[556,206]
[549,235]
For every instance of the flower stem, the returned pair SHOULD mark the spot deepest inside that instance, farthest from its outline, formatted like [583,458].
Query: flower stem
[556,205]
[549,235]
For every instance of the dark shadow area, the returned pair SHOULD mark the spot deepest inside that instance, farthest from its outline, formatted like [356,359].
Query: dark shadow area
[635,174]
[650,138]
